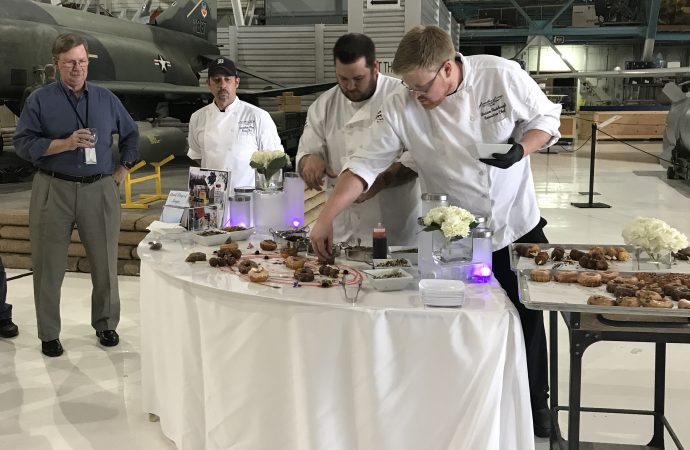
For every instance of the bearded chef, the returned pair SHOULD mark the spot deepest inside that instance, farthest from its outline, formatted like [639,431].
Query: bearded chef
[454,102]
[224,134]
[338,123]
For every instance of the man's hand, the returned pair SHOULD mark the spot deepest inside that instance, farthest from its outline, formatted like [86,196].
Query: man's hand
[79,139]
[321,236]
[119,174]
[312,169]
[503,161]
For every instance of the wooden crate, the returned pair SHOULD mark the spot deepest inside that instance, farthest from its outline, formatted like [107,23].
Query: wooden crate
[631,124]
[289,103]
[568,127]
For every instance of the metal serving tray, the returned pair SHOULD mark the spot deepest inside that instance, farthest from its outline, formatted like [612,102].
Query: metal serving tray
[523,263]
[555,296]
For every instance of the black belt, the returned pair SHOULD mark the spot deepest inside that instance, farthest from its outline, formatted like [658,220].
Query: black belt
[84,179]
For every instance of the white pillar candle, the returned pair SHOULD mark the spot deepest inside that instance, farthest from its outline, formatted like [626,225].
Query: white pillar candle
[294,192]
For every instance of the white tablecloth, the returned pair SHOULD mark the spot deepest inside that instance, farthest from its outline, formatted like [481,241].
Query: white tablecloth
[229,364]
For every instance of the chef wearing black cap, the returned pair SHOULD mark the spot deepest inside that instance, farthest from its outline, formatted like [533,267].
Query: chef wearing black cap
[224,134]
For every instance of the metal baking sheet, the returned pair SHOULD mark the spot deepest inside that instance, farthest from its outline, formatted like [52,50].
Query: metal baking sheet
[554,296]
[523,263]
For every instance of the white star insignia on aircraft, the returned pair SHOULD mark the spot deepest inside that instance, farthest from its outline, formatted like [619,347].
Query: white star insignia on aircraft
[162,63]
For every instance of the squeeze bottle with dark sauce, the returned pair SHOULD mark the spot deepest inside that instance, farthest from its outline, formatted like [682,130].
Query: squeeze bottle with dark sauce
[380,242]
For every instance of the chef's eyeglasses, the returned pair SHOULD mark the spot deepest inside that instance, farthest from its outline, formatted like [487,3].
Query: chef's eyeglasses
[428,85]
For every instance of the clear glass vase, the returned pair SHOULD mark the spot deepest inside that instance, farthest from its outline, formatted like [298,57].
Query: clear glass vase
[451,252]
[274,183]
[644,260]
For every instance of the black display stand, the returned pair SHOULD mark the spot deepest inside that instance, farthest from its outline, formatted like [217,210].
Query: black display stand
[591,203]
[586,329]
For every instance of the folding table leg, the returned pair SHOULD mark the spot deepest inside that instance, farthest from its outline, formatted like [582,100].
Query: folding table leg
[659,395]
[576,350]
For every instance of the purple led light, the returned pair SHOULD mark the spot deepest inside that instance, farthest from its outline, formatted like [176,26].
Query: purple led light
[481,274]
[296,223]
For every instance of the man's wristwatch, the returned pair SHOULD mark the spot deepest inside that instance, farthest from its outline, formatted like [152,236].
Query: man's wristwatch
[128,164]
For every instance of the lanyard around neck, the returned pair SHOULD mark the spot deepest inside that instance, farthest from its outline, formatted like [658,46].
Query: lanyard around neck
[82,123]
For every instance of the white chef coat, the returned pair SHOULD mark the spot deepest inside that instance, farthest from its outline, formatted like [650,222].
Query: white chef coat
[495,100]
[226,140]
[335,128]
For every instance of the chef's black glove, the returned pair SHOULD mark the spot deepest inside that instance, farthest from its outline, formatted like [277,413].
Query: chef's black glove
[505,160]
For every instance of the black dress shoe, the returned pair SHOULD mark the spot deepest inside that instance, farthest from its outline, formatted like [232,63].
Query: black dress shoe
[542,422]
[108,338]
[8,329]
[52,348]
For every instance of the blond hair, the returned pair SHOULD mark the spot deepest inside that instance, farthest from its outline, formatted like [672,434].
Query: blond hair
[423,47]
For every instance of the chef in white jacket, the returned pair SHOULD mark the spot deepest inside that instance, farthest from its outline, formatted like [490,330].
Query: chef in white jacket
[225,133]
[454,102]
[338,123]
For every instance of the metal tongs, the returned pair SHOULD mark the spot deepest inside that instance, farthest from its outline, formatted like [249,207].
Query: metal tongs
[343,283]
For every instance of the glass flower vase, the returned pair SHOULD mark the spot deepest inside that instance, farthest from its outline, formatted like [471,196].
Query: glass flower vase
[646,260]
[451,252]
[273,183]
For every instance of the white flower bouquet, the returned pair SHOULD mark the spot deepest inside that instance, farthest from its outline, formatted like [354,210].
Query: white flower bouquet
[269,162]
[654,236]
[454,222]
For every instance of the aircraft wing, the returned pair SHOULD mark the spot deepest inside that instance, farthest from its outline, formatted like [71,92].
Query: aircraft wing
[175,91]
[638,73]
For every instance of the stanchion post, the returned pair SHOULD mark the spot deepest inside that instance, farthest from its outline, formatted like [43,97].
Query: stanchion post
[592,156]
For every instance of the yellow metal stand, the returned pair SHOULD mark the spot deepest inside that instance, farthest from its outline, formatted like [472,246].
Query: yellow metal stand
[144,199]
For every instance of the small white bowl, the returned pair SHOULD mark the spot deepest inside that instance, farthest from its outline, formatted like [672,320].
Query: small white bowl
[241,235]
[410,253]
[388,284]
[214,239]
[395,263]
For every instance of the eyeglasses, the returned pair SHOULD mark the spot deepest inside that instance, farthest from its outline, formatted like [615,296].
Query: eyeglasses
[73,64]
[428,85]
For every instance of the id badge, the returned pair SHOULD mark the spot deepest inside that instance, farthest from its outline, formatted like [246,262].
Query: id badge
[90,155]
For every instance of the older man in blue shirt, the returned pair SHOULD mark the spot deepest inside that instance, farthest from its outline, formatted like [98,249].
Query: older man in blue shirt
[66,131]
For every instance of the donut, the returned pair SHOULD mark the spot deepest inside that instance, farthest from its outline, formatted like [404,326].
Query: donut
[268,245]
[680,294]
[246,265]
[608,275]
[565,276]
[541,258]
[304,274]
[683,304]
[601,300]
[540,275]
[654,287]
[627,279]
[625,290]
[670,288]
[664,302]
[329,271]
[295,262]
[647,298]
[557,254]
[590,279]
[576,254]
[288,251]
[632,302]
[623,255]
[611,253]
[527,250]
[258,274]
[230,246]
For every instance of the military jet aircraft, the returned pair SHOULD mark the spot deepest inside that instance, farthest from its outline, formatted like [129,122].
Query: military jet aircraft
[142,64]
